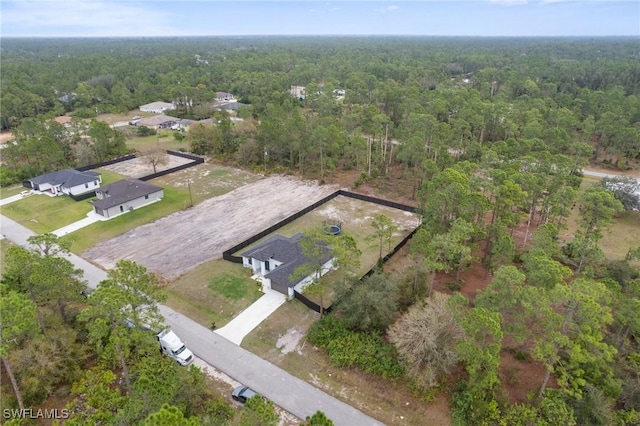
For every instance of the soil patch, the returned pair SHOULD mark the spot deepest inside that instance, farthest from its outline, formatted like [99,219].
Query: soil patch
[5,137]
[177,243]
[290,340]
[139,167]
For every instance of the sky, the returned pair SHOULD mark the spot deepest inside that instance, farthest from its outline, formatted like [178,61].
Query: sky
[145,18]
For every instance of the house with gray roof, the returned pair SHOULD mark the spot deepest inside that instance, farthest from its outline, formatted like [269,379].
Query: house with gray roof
[274,261]
[66,182]
[157,107]
[125,196]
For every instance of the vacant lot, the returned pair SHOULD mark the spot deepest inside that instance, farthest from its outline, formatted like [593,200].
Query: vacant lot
[176,244]
[207,180]
[139,167]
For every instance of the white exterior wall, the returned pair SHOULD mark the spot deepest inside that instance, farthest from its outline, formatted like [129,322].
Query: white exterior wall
[81,189]
[133,204]
[46,187]
[308,280]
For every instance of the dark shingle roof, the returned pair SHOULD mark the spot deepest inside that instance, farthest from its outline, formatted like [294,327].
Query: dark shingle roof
[66,178]
[285,250]
[123,191]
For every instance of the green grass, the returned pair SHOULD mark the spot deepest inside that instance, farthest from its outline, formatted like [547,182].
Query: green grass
[109,177]
[10,191]
[42,213]
[231,286]
[174,200]
[165,139]
[214,291]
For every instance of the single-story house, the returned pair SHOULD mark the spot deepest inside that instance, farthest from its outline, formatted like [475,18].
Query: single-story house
[160,121]
[157,107]
[274,261]
[124,196]
[224,96]
[67,181]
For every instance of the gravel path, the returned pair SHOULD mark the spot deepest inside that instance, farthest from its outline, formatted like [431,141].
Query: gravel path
[177,243]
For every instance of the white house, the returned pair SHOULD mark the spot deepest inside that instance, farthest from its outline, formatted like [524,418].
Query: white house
[157,107]
[274,261]
[66,182]
[125,196]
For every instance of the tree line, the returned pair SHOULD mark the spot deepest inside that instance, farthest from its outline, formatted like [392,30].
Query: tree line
[405,98]
[97,349]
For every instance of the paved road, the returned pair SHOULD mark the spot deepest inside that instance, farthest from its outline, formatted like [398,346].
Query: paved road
[292,394]
[603,175]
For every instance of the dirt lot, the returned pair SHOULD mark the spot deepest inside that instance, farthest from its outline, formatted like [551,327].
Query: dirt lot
[175,244]
[139,167]
[5,137]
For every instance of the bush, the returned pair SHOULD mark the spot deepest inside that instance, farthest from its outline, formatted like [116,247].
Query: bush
[367,352]
[145,131]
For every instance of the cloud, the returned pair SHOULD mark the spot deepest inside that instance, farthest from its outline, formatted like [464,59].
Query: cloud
[89,18]
[390,8]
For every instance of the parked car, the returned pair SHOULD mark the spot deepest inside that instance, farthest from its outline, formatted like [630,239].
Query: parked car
[242,393]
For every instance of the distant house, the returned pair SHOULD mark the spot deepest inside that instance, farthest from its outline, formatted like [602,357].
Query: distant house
[224,96]
[66,182]
[124,196]
[157,107]
[298,92]
[159,121]
[274,261]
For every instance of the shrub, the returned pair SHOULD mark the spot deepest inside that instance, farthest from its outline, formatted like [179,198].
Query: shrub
[367,352]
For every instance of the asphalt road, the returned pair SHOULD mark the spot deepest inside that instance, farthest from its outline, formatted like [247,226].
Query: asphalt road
[602,175]
[292,394]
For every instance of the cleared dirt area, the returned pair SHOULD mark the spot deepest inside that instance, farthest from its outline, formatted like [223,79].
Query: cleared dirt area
[5,137]
[177,243]
[141,166]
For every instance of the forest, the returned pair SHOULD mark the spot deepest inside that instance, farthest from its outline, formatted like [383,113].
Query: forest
[487,137]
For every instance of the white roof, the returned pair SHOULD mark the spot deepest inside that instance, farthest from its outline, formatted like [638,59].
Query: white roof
[157,105]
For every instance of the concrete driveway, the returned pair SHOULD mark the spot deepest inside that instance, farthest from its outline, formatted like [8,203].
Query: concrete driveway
[92,217]
[251,317]
[292,394]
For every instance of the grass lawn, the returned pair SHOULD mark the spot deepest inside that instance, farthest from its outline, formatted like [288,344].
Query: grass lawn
[10,191]
[165,139]
[215,291]
[109,177]
[174,200]
[42,213]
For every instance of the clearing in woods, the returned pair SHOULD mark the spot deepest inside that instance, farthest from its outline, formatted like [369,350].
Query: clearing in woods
[177,243]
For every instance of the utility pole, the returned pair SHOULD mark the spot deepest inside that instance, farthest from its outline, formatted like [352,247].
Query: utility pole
[190,197]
